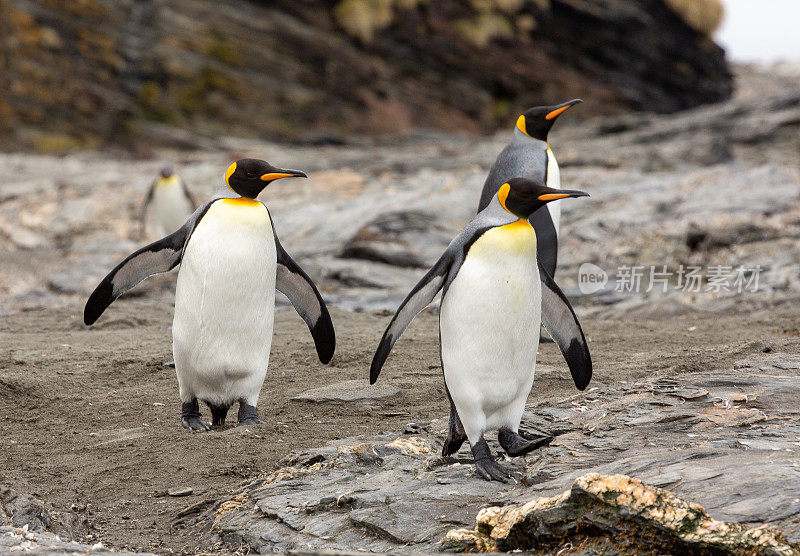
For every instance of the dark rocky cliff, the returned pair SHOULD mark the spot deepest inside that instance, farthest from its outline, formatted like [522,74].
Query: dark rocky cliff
[86,73]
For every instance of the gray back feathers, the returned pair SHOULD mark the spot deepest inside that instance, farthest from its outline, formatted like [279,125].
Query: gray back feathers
[523,157]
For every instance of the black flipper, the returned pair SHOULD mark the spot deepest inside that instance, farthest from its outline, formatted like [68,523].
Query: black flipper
[546,239]
[560,321]
[455,432]
[304,296]
[160,256]
[419,298]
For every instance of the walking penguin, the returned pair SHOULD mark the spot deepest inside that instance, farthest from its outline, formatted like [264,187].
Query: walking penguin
[494,299]
[231,263]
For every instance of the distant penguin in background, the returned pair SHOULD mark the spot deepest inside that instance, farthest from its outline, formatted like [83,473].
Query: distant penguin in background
[528,155]
[231,264]
[494,301]
[172,203]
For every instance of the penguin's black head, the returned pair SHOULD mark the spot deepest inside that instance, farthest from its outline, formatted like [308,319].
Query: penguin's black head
[166,172]
[522,197]
[536,122]
[249,176]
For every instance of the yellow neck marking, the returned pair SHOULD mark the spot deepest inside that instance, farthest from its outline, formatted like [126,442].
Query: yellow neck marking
[172,180]
[518,237]
[520,225]
[240,211]
[515,238]
[241,201]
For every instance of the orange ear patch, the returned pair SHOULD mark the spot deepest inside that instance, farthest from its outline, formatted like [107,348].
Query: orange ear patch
[521,125]
[557,112]
[553,196]
[502,194]
[229,172]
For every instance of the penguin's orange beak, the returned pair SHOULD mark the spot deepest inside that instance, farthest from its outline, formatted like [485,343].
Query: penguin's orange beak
[563,194]
[561,108]
[283,174]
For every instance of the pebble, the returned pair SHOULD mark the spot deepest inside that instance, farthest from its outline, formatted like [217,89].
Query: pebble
[180,491]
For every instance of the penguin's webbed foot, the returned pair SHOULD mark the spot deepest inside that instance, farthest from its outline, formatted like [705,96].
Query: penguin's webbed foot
[195,423]
[515,444]
[248,414]
[485,464]
[491,470]
[191,418]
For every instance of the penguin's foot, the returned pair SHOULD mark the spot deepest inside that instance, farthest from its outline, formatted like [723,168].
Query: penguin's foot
[191,418]
[485,464]
[248,414]
[517,445]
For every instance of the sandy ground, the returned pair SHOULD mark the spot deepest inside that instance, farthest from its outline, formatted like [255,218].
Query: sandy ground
[91,416]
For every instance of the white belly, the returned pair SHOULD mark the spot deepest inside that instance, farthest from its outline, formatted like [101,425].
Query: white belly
[225,305]
[170,208]
[489,328]
[554,181]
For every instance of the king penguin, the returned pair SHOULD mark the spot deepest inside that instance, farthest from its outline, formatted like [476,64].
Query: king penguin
[529,155]
[494,300]
[231,263]
[172,203]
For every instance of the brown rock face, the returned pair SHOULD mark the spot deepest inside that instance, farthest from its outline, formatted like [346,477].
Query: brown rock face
[90,73]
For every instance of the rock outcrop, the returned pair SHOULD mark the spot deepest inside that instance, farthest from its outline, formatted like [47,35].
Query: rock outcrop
[147,72]
[24,541]
[613,514]
[18,511]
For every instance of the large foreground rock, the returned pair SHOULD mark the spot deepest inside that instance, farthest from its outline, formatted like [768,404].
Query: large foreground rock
[616,513]
[725,440]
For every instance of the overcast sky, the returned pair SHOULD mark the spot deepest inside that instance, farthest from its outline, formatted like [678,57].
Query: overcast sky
[763,30]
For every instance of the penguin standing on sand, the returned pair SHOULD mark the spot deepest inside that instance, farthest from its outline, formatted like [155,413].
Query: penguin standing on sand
[528,155]
[172,203]
[495,297]
[231,264]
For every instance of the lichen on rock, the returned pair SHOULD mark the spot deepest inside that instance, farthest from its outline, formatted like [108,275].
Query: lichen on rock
[614,511]
[704,16]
